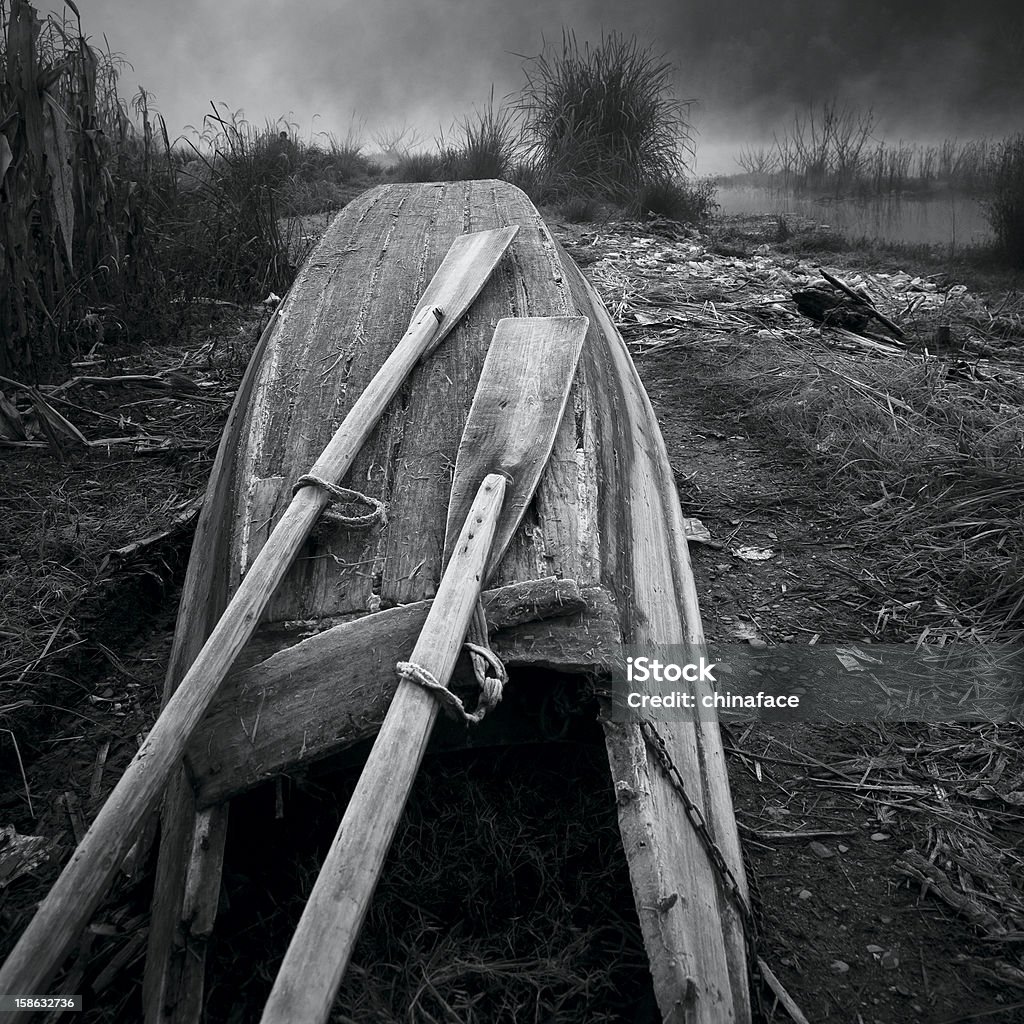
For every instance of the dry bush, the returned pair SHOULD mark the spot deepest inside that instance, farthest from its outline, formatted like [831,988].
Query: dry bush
[603,120]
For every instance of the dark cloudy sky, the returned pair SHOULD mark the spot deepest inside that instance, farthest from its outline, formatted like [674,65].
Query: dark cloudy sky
[929,68]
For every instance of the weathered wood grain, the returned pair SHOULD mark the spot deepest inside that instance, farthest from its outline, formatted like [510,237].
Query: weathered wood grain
[696,945]
[332,690]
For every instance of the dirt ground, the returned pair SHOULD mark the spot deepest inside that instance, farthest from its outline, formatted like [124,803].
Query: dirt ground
[887,888]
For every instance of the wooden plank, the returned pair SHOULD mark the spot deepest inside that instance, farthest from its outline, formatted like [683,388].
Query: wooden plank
[332,690]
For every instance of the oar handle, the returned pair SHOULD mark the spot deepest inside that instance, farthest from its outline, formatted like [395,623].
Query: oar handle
[321,947]
[70,903]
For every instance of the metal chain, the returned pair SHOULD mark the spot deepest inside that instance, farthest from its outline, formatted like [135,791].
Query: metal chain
[707,840]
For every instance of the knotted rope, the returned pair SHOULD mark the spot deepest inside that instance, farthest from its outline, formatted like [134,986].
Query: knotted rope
[377,513]
[491,685]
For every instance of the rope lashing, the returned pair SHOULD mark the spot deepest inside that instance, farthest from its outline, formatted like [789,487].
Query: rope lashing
[377,513]
[492,685]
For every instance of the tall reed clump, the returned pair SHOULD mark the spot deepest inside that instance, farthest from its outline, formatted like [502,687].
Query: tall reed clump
[602,120]
[102,220]
[231,246]
[833,148]
[66,222]
[1005,210]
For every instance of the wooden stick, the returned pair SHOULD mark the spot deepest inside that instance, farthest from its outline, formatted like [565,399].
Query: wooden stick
[80,887]
[322,944]
[858,298]
[781,994]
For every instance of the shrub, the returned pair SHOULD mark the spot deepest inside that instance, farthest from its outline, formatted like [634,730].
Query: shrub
[230,246]
[1005,210]
[675,199]
[602,120]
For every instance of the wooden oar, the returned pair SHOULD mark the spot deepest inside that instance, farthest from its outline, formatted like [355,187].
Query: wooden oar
[516,412]
[76,893]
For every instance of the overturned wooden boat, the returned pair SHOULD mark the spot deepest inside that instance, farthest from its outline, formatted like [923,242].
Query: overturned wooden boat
[599,561]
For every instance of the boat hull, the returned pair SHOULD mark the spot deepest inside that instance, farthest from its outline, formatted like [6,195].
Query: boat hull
[605,522]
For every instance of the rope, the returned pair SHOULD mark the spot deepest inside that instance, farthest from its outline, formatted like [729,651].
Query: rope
[377,513]
[491,685]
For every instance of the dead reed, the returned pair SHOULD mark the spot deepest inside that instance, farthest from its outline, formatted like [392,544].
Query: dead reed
[837,149]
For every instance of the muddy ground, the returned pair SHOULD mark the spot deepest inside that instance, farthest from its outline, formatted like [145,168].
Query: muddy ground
[829,814]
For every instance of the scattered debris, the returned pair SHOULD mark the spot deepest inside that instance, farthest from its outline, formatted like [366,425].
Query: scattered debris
[750,553]
[20,855]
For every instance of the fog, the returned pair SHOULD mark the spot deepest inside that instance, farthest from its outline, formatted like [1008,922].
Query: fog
[928,68]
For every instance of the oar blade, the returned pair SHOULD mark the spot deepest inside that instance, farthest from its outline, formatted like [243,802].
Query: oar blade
[516,412]
[462,275]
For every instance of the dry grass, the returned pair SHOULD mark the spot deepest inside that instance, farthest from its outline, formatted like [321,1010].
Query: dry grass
[834,148]
[930,444]
[933,451]
[73,585]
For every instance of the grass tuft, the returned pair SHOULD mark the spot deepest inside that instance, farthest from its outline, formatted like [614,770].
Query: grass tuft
[482,144]
[603,120]
[678,200]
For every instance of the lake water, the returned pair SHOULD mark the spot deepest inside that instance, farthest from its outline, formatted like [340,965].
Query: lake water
[937,220]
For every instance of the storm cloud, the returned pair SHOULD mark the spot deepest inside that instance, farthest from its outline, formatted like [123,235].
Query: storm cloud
[928,68]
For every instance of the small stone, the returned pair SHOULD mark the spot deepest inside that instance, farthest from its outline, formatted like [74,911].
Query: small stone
[755,642]
[804,894]
[879,837]
[885,919]
[821,850]
[843,849]
[840,967]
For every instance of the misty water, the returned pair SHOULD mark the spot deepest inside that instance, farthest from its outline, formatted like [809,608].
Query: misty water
[949,219]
